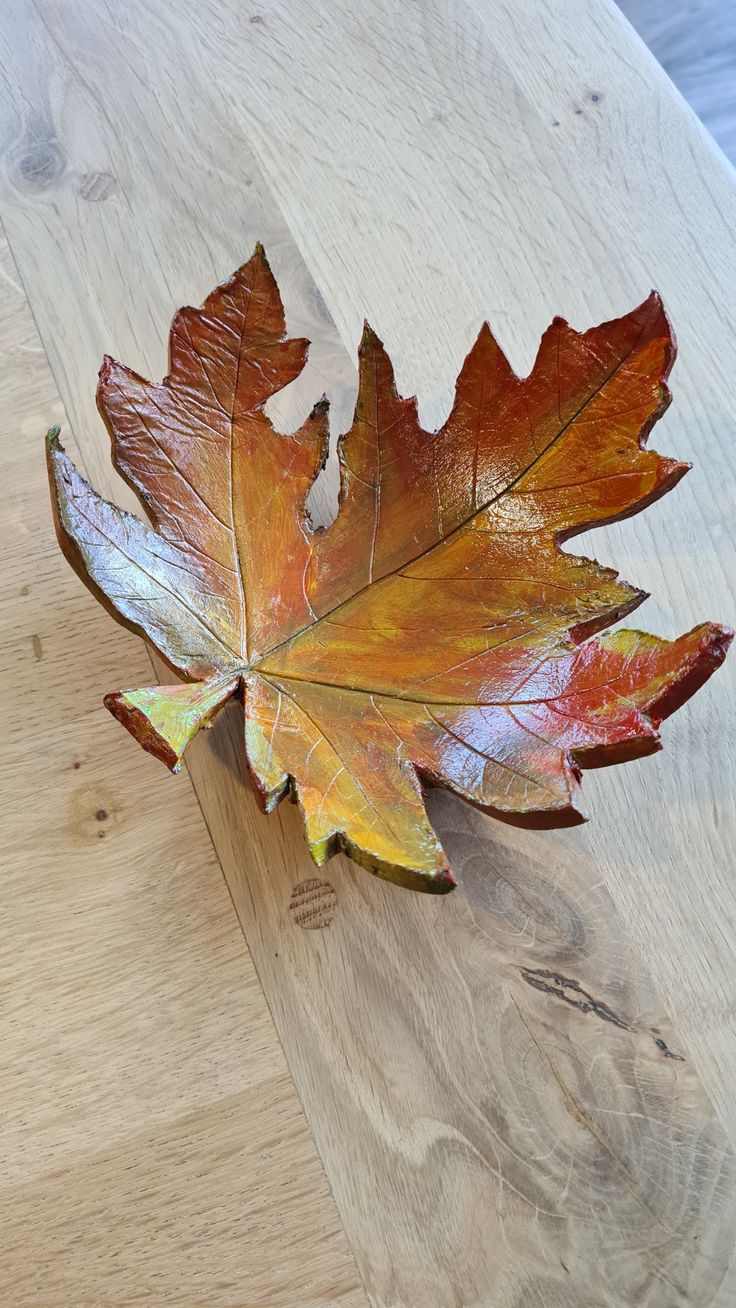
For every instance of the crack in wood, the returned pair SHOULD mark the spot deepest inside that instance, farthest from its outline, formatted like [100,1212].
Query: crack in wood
[554,983]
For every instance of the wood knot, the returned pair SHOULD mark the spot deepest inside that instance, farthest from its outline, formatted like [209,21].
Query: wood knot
[93,812]
[96,187]
[312,904]
[35,166]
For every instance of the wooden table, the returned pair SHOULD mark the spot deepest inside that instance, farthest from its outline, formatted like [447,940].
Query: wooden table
[521,1095]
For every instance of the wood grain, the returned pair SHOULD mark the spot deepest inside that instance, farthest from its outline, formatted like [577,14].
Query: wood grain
[506,1109]
[154,1149]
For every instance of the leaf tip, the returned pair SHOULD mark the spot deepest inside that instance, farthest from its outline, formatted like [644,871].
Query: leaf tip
[259,256]
[52,438]
[485,340]
[716,640]
[655,306]
[668,473]
[370,340]
[321,409]
[137,723]
[445,881]
[654,315]
[677,468]
[699,653]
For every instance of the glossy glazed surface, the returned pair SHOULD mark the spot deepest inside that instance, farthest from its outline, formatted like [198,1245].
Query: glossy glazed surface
[436,631]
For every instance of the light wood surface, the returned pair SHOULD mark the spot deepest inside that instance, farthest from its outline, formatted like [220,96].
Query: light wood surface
[512,1088]
[153,1146]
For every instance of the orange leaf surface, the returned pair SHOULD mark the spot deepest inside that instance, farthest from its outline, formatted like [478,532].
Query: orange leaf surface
[436,633]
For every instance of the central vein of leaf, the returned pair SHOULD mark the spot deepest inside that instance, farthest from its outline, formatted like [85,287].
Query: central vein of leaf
[242,593]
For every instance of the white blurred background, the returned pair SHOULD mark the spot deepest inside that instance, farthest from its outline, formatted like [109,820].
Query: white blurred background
[695,41]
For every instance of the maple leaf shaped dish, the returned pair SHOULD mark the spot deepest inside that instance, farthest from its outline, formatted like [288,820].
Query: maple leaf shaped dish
[435,632]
